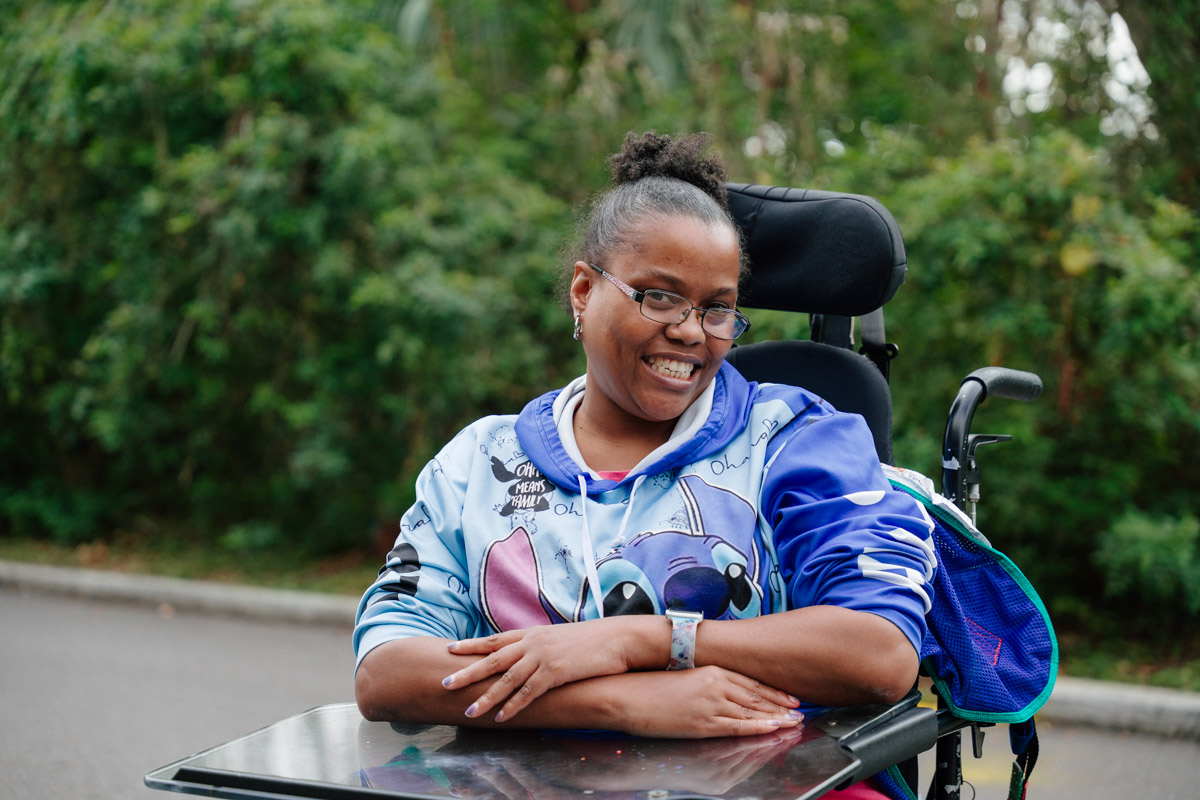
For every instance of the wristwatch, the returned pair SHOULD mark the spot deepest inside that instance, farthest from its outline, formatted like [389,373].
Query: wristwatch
[683,637]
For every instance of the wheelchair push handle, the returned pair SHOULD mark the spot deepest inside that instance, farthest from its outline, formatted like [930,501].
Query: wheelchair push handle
[1011,384]
[960,472]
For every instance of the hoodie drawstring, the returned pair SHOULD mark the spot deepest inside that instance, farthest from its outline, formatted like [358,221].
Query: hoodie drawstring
[589,553]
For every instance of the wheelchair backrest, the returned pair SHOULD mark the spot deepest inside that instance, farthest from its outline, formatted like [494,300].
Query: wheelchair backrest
[835,257]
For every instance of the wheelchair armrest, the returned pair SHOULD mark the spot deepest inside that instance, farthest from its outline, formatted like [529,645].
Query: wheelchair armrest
[879,736]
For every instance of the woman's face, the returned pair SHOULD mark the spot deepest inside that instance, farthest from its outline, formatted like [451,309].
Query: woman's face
[641,369]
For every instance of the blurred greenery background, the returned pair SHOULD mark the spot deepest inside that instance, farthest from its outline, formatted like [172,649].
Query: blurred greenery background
[259,259]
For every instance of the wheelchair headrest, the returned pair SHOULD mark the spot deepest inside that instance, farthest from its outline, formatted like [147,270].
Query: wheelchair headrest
[817,252]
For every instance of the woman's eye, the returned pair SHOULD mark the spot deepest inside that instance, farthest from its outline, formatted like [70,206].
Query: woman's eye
[659,299]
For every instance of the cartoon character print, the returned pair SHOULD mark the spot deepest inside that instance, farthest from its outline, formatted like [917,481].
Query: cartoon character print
[712,567]
[510,585]
[529,487]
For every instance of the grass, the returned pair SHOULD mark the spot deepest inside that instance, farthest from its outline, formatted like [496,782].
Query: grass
[347,574]
[1169,661]
[1110,652]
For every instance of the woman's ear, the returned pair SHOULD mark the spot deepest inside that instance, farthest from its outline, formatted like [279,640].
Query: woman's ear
[581,287]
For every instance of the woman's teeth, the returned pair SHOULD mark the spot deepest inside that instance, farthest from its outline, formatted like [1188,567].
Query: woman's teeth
[673,369]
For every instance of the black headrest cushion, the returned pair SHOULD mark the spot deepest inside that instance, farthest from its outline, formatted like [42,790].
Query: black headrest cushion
[817,252]
[849,382]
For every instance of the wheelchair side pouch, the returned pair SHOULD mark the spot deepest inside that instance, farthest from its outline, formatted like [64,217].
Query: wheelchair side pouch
[991,651]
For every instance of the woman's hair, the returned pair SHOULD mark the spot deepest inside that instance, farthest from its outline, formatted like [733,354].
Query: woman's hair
[655,175]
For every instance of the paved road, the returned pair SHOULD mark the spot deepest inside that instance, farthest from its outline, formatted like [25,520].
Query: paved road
[95,694]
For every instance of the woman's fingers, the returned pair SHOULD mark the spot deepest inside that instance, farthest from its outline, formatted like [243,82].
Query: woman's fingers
[760,701]
[756,693]
[483,644]
[529,662]
[497,657]
[741,709]
[727,726]
[533,688]
[707,702]
[513,683]
[519,679]
[745,707]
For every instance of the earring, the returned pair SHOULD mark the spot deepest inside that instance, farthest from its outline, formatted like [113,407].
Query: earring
[578,325]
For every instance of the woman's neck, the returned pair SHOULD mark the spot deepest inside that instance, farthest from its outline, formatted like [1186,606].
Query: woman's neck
[612,442]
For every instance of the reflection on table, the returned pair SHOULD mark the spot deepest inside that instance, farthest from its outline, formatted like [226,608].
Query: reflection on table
[331,752]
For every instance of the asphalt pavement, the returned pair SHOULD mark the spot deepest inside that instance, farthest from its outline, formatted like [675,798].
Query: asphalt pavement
[106,676]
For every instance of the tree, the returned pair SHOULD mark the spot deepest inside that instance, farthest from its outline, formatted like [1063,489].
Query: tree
[1167,36]
[255,265]
[255,214]
[1025,256]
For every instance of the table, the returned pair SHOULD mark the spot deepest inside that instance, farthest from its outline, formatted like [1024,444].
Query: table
[331,752]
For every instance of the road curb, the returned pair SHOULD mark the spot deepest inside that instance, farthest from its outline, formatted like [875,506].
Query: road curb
[183,595]
[1124,707]
[1074,701]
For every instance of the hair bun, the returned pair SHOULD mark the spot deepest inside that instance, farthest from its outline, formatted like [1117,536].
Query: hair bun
[659,155]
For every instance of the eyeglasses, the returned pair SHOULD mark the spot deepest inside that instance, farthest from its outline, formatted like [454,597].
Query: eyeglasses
[669,308]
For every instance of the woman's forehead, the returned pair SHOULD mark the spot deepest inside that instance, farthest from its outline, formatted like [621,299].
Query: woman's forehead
[679,247]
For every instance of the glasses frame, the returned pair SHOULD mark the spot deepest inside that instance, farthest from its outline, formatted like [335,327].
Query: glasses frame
[701,313]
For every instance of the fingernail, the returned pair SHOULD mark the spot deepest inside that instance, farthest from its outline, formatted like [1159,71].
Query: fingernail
[471,710]
[796,715]
[794,700]
[775,723]
[500,716]
[448,681]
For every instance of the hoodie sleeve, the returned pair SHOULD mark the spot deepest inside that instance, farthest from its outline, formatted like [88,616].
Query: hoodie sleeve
[423,587]
[843,536]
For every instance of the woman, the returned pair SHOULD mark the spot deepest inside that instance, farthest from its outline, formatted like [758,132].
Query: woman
[660,481]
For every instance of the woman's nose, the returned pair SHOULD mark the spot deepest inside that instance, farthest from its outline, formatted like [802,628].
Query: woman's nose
[689,329]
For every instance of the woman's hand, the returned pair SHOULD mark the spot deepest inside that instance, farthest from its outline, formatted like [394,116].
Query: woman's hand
[704,702]
[536,660]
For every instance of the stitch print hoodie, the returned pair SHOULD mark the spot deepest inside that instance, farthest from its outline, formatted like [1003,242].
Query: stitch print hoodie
[770,500]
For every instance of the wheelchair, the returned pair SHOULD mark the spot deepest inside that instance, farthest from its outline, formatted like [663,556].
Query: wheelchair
[839,258]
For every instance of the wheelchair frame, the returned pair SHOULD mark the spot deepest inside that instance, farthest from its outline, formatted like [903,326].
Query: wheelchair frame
[838,257]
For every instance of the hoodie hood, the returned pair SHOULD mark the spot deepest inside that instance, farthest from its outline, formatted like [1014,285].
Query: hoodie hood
[539,436]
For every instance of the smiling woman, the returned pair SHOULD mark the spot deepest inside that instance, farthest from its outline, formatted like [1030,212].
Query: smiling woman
[631,552]
[646,372]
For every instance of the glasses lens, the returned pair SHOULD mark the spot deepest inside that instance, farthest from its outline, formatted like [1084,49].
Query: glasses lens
[724,323]
[671,309]
[664,307]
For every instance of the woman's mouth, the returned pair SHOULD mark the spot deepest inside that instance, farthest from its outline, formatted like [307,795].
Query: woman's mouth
[681,370]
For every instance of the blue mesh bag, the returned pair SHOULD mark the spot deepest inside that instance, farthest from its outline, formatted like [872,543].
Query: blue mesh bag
[991,651]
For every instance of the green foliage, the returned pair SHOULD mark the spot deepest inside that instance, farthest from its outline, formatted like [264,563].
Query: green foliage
[259,259]
[1155,561]
[1167,36]
[256,264]
[1025,255]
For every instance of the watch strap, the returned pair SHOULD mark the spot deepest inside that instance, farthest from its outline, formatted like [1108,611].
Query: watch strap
[683,638]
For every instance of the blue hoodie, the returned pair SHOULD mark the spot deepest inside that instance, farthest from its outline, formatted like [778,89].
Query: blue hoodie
[777,501]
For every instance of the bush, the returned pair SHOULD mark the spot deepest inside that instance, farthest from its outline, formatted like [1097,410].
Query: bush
[1024,255]
[256,264]
[1153,562]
